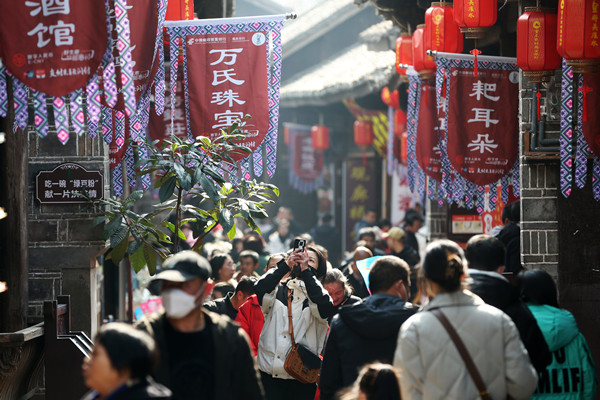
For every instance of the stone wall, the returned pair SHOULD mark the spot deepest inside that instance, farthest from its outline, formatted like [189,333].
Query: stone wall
[539,190]
[63,243]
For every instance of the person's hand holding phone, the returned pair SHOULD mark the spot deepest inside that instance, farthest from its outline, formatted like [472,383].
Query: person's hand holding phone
[299,256]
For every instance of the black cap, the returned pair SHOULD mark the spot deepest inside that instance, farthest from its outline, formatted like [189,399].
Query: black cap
[184,266]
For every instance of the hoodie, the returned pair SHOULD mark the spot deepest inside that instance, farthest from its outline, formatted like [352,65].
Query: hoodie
[572,374]
[361,333]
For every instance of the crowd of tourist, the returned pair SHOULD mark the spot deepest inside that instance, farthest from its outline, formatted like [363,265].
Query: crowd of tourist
[285,315]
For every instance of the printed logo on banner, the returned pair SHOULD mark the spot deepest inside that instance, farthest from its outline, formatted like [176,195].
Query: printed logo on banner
[233,84]
[53,46]
[483,132]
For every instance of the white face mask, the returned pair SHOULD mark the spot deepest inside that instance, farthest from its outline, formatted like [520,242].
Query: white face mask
[178,303]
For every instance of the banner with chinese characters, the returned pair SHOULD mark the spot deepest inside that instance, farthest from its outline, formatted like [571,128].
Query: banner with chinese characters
[159,126]
[232,68]
[360,187]
[52,46]
[480,149]
[579,136]
[306,163]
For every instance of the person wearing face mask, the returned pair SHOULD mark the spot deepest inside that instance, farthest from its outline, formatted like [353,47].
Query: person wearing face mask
[202,354]
[366,332]
[311,305]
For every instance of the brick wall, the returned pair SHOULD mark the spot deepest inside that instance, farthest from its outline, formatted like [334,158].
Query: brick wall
[539,190]
[62,240]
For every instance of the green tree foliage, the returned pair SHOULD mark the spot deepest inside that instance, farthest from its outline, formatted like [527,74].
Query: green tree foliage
[190,171]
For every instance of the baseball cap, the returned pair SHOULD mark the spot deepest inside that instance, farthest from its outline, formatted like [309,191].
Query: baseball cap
[395,233]
[184,266]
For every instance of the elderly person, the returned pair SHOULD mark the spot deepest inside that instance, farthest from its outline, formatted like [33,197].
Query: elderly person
[336,284]
[430,365]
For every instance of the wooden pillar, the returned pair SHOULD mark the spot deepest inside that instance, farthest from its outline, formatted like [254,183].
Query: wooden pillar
[13,228]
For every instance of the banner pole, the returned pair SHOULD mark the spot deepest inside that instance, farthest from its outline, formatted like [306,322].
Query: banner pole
[470,57]
[218,21]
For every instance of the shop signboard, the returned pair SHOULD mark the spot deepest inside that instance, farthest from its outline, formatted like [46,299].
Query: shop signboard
[66,183]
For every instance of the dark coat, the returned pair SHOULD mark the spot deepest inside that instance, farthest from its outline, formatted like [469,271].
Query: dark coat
[360,334]
[142,390]
[359,286]
[222,306]
[496,291]
[510,235]
[236,376]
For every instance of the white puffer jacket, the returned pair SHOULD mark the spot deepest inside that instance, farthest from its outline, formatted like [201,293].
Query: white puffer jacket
[311,306]
[432,368]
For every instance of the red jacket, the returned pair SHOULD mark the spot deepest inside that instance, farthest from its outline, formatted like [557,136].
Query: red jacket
[251,319]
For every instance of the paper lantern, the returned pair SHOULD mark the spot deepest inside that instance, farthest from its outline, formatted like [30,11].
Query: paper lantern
[320,137]
[403,53]
[363,133]
[474,17]
[578,34]
[399,122]
[536,39]
[441,31]
[422,63]
[391,99]
[178,10]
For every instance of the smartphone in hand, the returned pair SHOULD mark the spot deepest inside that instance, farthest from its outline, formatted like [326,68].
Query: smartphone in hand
[299,244]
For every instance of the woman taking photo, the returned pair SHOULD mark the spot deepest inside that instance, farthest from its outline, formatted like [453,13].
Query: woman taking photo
[311,305]
[431,366]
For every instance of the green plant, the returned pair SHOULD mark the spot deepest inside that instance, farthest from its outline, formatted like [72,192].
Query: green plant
[184,171]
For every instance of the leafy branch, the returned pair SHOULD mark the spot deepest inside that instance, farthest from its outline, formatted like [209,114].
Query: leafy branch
[191,182]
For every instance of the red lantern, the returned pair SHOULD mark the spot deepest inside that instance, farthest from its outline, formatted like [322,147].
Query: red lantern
[423,64]
[403,53]
[399,122]
[536,39]
[390,99]
[363,133]
[441,31]
[178,10]
[475,16]
[320,137]
[578,33]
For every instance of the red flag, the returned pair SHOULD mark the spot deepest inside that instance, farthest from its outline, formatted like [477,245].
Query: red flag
[591,127]
[483,131]
[308,163]
[431,118]
[53,46]
[159,126]
[227,79]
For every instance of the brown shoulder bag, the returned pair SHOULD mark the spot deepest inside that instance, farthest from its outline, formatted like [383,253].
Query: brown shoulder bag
[300,362]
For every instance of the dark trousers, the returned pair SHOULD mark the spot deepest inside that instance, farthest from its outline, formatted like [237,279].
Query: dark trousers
[287,389]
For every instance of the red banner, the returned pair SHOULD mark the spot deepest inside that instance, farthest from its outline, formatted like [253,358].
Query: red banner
[308,163]
[431,117]
[227,79]
[53,46]
[591,104]
[483,131]
[159,126]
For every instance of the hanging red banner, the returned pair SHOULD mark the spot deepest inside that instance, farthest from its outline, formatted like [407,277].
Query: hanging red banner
[116,153]
[227,79]
[591,105]
[159,126]
[53,46]
[483,131]
[431,118]
[308,163]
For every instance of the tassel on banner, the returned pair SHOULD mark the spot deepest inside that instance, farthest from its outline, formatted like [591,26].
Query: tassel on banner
[475,53]
[585,90]
[61,119]
[77,114]
[93,104]
[20,94]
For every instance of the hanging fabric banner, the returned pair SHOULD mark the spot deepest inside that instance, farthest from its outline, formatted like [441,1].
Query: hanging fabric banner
[481,145]
[417,179]
[427,146]
[160,127]
[53,47]
[306,163]
[232,68]
[579,136]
